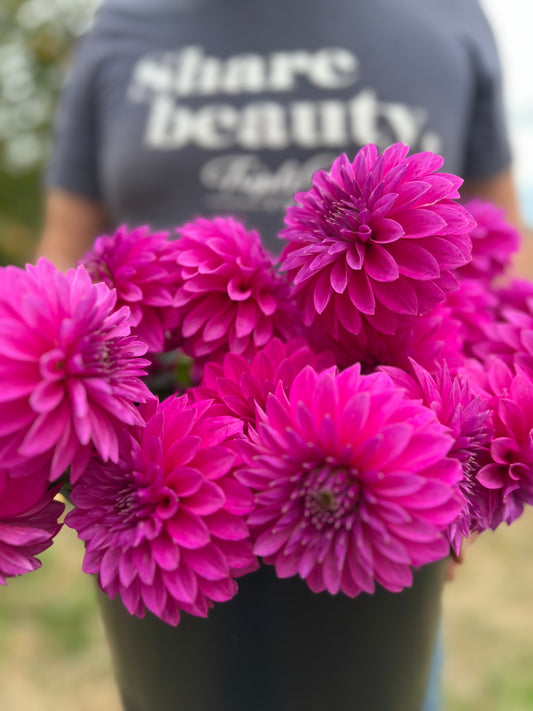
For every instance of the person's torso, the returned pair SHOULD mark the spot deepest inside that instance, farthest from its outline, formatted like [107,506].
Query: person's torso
[208,107]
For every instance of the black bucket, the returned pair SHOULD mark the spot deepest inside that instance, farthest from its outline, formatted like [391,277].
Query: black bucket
[279,647]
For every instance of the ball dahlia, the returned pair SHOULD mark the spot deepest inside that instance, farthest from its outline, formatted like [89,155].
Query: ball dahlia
[428,339]
[239,385]
[494,240]
[508,476]
[468,419]
[141,266]
[232,299]
[353,483]
[69,369]
[165,526]
[376,239]
[28,522]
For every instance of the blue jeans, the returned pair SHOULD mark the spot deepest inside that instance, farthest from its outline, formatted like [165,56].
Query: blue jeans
[433,700]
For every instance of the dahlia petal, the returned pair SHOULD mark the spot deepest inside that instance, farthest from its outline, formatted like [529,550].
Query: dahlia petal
[270,542]
[208,499]
[166,553]
[207,562]
[227,526]
[219,590]
[322,292]
[414,261]
[399,296]
[420,222]
[492,476]
[339,276]
[379,264]
[155,598]
[181,584]
[188,530]
[386,230]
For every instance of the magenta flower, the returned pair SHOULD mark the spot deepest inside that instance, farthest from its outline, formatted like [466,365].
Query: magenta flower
[28,522]
[232,298]
[239,385]
[494,240]
[376,239]
[165,527]
[508,476]
[142,267]
[473,306]
[69,370]
[510,333]
[353,482]
[467,417]
[429,339]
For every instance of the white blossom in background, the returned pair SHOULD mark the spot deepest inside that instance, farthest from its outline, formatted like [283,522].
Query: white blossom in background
[35,41]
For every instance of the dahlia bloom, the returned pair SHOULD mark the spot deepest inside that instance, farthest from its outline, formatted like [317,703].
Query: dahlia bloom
[473,306]
[494,240]
[165,526]
[232,299]
[467,417]
[142,267]
[239,385]
[28,522]
[376,239]
[508,476]
[69,369]
[510,333]
[428,339]
[353,482]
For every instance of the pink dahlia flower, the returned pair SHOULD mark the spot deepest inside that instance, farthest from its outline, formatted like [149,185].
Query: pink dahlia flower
[165,527]
[142,267]
[467,417]
[232,298]
[353,482]
[508,476]
[473,306]
[239,385]
[376,239]
[428,339]
[510,333]
[494,240]
[69,370]
[28,522]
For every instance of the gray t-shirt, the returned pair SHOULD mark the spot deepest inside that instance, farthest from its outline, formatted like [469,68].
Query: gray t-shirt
[178,108]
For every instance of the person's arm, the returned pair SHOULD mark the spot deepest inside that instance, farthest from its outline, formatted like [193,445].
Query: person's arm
[71,223]
[501,191]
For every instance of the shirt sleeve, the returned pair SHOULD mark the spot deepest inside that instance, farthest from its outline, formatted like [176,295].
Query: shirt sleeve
[74,161]
[487,150]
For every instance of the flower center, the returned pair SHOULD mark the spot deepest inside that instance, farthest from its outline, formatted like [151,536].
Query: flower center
[134,504]
[329,496]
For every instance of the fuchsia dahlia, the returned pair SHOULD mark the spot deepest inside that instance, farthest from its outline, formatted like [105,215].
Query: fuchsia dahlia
[494,240]
[429,339]
[467,417]
[232,299]
[28,522]
[142,267]
[165,527]
[507,478]
[239,385]
[509,334]
[69,369]
[376,239]
[353,482]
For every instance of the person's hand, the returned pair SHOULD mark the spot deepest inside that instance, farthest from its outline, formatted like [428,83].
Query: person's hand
[456,560]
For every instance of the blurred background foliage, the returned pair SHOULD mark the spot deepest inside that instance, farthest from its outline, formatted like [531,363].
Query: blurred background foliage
[36,40]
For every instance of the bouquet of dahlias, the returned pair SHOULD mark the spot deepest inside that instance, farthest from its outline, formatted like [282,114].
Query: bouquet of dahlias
[346,415]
